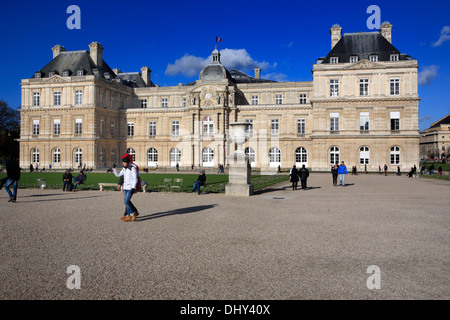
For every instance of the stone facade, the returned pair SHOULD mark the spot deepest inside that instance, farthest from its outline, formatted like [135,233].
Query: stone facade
[363,112]
[435,141]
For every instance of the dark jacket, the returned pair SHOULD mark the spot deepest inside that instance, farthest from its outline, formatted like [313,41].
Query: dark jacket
[201,179]
[67,176]
[294,175]
[334,171]
[303,173]
[13,169]
[81,178]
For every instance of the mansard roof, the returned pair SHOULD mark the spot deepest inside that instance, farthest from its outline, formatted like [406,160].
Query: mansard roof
[444,120]
[132,79]
[74,61]
[363,45]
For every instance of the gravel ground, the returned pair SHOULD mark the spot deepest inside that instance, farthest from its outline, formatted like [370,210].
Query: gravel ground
[278,244]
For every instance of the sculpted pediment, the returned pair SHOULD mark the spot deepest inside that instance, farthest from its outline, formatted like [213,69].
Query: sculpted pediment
[56,79]
[364,64]
[208,95]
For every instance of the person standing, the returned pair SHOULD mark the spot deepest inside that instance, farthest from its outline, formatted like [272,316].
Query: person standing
[334,173]
[130,180]
[342,171]
[13,176]
[293,177]
[385,169]
[440,170]
[304,174]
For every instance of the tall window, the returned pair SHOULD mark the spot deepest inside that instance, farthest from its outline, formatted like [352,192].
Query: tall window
[78,155]
[144,103]
[56,155]
[251,154]
[57,98]
[250,126]
[130,130]
[35,127]
[334,121]
[278,99]
[102,155]
[175,156]
[334,155]
[301,126]
[274,156]
[208,126]
[102,126]
[78,126]
[302,98]
[113,156]
[364,155]
[102,99]
[152,128]
[208,156]
[79,97]
[184,102]
[152,155]
[395,120]
[56,127]
[164,103]
[334,88]
[364,121]
[36,99]
[175,128]
[35,155]
[255,100]
[301,155]
[132,153]
[274,126]
[395,155]
[363,87]
[395,87]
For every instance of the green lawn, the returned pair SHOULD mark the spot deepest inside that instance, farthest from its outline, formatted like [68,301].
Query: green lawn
[445,166]
[216,182]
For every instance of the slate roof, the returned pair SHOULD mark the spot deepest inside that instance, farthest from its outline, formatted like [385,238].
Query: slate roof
[444,120]
[132,79]
[363,44]
[74,61]
[240,77]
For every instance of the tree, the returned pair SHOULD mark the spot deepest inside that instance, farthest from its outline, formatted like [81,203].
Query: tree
[9,131]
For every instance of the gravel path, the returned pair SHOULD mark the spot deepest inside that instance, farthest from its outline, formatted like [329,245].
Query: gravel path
[278,244]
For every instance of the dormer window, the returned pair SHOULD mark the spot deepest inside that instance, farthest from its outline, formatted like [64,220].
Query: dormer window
[334,60]
[96,72]
[80,73]
[37,75]
[353,59]
[394,57]
[51,74]
[107,75]
[373,58]
[65,73]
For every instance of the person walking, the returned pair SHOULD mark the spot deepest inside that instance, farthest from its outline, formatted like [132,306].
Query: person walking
[385,169]
[13,176]
[201,181]
[342,171]
[334,173]
[304,174]
[130,180]
[293,177]
[67,180]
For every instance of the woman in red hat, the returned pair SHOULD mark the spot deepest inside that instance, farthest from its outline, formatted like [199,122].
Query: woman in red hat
[130,180]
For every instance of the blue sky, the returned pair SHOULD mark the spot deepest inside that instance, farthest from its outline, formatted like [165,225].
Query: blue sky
[175,38]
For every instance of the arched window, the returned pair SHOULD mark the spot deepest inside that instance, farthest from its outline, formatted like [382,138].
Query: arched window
[133,153]
[152,155]
[56,155]
[78,156]
[251,155]
[334,155]
[395,155]
[35,155]
[364,155]
[274,157]
[208,157]
[208,126]
[175,156]
[301,155]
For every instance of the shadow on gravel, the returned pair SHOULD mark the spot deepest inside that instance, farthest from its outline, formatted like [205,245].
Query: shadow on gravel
[19,199]
[176,211]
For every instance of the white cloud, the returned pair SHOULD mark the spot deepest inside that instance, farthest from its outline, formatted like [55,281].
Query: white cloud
[427,74]
[276,76]
[445,36]
[190,65]
[425,118]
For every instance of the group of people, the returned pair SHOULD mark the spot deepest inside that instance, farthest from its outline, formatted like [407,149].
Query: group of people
[295,175]
[70,183]
[341,171]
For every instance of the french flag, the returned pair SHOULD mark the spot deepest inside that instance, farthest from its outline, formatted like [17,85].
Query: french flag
[218,39]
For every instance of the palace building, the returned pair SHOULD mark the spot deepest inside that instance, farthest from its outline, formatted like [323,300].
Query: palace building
[361,107]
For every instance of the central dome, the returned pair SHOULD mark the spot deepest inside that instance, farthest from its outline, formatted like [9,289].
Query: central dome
[215,70]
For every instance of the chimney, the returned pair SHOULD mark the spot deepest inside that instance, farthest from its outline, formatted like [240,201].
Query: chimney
[257,73]
[117,71]
[96,52]
[146,75]
[386,31]
[57,50]
[336,32]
